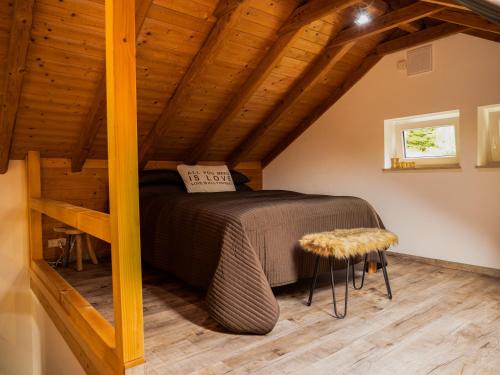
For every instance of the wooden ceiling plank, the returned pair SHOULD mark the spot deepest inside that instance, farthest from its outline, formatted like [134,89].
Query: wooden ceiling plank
[386,22]
[323,63]
[466,19]
[425,36]
[312,11]
[97,113]
[215,39]
[15,69]
[288,33]
[368,63]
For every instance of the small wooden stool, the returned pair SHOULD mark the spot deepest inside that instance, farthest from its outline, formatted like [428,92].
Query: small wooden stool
[76,236]
[347,244]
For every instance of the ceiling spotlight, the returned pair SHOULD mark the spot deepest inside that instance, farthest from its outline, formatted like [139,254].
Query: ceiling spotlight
[362,18]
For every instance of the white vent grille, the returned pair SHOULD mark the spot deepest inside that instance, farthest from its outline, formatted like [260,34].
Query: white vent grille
[419,60]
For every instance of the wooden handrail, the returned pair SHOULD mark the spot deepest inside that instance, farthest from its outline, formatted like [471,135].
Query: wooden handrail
[95,223]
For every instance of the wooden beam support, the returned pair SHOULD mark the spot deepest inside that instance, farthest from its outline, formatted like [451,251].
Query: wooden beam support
[97,113]
[20,33]
[288,33]
[425,36]
[123,180]
[350,81]
[205,55]
[386,22]
[324,62]
[467,19]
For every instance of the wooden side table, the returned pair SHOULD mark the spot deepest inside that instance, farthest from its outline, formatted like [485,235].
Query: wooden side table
[78,237]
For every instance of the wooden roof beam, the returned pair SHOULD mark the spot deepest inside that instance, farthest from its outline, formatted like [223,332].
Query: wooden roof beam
[425,36]
[312,117]
[483,35]
[217,36]
[287,34]
[16,65]
[97,113]
[467,19]
[447,3]
[387,22]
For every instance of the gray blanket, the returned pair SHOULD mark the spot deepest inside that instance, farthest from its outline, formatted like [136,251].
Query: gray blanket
[238,245]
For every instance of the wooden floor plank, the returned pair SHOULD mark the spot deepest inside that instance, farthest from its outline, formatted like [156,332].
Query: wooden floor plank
[441,321]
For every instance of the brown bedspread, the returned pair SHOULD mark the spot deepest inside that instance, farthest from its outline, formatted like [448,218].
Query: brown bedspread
[237,245]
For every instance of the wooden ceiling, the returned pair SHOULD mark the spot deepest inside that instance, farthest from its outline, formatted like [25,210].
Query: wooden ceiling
[220,80]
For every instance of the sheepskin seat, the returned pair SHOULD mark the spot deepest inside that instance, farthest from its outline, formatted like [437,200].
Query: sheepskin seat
[346,243]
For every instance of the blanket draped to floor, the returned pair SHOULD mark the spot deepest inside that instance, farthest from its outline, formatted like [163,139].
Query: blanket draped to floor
[237,245]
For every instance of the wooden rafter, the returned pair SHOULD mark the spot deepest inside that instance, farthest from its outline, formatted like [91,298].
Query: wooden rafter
[288,33]
[484,35]
[97,113]
[16,64]
[350,81]
[387,22]
[467,19]
[447,3]
[225,23]
[425,36]
[323,63]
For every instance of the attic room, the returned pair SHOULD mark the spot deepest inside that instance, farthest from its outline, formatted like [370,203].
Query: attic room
[249,187]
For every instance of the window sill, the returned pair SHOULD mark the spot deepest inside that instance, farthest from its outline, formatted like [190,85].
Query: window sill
[489,166]
[425,168]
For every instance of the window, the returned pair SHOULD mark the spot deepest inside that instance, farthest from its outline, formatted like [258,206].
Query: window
[429,140]
[489,135]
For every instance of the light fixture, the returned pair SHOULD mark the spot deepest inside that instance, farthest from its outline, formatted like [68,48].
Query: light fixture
[362,17]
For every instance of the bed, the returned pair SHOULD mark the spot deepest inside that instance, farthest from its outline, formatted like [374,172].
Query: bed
[239,245]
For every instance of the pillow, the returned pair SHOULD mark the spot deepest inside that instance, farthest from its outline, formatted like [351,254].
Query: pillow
[206,178]
[160,177]
[239,178]
[243,187]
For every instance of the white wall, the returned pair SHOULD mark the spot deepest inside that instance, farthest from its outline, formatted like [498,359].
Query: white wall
[450,215]
[29,342]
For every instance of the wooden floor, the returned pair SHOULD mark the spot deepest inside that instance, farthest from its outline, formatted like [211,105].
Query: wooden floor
[441,321]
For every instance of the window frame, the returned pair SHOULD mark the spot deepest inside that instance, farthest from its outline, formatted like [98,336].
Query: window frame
[394,137]
[488,136]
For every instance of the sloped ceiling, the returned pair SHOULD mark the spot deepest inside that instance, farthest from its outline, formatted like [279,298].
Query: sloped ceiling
[228,80]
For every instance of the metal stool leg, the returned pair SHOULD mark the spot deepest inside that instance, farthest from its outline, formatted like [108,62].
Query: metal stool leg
[313,281]
[386,277]
[362,277]
[332,278]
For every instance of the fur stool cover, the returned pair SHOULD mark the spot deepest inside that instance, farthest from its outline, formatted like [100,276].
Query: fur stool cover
[345,243]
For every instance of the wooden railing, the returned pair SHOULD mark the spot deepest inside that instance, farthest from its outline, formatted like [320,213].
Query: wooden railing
[90,336]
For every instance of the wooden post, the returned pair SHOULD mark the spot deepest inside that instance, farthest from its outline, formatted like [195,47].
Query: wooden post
[123,180]
[34,217]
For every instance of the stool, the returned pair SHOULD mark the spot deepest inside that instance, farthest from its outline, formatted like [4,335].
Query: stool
[75,236]
[346,244]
